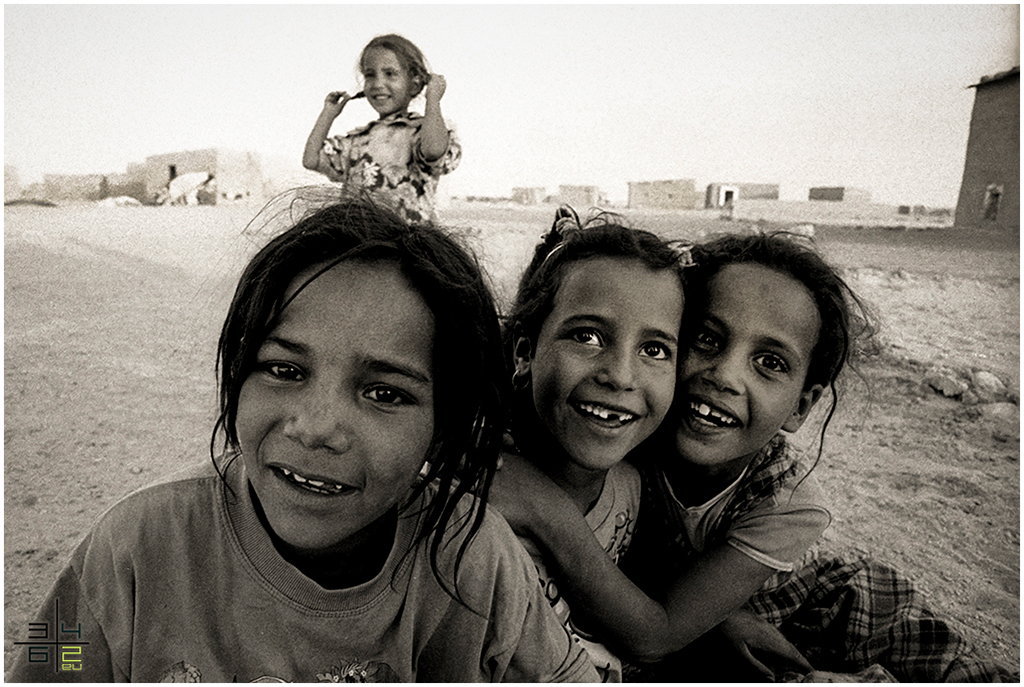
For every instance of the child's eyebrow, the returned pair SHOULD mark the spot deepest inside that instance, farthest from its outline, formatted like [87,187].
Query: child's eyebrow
[656,333]
[285,344]
[389,367]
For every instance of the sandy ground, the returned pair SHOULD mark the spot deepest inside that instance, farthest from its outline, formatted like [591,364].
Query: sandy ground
[110,324]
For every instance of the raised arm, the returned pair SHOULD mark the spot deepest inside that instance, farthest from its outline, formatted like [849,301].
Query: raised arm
[434,134]
[334,103]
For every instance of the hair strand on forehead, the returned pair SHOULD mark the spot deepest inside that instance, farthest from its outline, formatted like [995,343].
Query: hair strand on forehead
[324,227]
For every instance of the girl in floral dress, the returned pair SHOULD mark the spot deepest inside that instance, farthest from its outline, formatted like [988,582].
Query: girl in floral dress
[402,155]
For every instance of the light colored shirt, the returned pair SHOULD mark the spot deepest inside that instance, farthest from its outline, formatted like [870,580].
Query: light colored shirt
[776,532]
[181,582]
[612,519]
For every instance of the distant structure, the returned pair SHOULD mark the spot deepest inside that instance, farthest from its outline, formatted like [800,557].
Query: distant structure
[669,194]
[839,194]
[990,189]
[235,175]
[528,196]
[720,195]
[581,197]
[12,183]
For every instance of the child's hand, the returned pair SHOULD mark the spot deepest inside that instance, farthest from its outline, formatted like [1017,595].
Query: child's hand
[335,101]
[435,88]
[762,645]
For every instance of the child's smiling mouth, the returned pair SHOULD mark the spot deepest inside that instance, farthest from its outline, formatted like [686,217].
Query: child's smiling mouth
[604,415]
[314,485]
[705,413]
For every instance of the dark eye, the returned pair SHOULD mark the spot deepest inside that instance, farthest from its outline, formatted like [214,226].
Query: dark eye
[656,350]
[772,362]
[588,337]
[282,371]
[705,340]
[387,395]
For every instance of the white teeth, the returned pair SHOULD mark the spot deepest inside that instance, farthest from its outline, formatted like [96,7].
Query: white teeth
[325,487]
[708,413]
[605,414]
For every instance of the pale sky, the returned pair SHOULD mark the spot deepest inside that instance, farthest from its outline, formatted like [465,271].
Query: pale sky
[866,96]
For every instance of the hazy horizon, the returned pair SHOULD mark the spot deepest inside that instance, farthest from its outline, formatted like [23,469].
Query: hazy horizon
[875,97]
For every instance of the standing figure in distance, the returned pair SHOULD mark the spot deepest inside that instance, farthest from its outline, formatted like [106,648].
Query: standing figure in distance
[401,155]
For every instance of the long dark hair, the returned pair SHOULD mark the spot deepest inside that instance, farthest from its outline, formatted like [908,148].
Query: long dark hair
[467,358]
[847,325]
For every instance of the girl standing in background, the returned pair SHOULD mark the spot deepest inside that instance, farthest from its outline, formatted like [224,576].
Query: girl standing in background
[401,155]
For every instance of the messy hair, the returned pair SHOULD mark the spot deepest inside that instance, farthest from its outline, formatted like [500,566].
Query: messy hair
[603,235]
[847,325]
[467,357]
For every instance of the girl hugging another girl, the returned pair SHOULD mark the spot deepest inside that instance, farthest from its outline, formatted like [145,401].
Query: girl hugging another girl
[401,155]
[594,337]
[337,537]
[730,511]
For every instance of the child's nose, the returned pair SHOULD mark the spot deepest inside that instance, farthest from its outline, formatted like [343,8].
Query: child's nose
[726,373]
[319,423]
[617,369]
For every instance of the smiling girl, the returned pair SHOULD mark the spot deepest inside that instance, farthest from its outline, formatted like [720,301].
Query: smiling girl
[732,511]
[593,334]
[337,538]
[401,154]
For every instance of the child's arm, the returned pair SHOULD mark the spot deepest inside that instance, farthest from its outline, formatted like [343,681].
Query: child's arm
[334,103]
[434,132]
[604,599]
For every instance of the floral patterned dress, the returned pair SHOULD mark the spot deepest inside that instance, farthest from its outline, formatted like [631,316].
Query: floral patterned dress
[385,157]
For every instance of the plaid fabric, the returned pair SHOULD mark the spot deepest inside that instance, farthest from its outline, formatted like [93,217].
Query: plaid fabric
[845,616]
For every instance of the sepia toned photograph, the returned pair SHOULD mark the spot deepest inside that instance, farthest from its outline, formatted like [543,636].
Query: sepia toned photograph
[520,343]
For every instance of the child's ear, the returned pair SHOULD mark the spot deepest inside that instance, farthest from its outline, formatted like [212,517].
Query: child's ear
[522,351]
[803,407]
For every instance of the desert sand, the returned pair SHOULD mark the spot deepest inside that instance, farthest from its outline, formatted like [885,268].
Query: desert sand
[111,317]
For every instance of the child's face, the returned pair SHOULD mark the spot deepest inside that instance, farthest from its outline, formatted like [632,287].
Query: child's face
[603,368]
[743,378]
[386,82]
[336,418]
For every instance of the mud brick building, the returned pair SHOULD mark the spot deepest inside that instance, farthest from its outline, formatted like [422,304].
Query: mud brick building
[669,194]
[533,195]
[582,198]
[990,190]
[237,175]
[839,194]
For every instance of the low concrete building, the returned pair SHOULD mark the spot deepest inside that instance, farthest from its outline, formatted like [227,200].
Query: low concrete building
[528,195]
[990,188]
[839,194]
[720,195]
[236,175]
[69,187]
[668,194]
[581,198]
[12,183]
